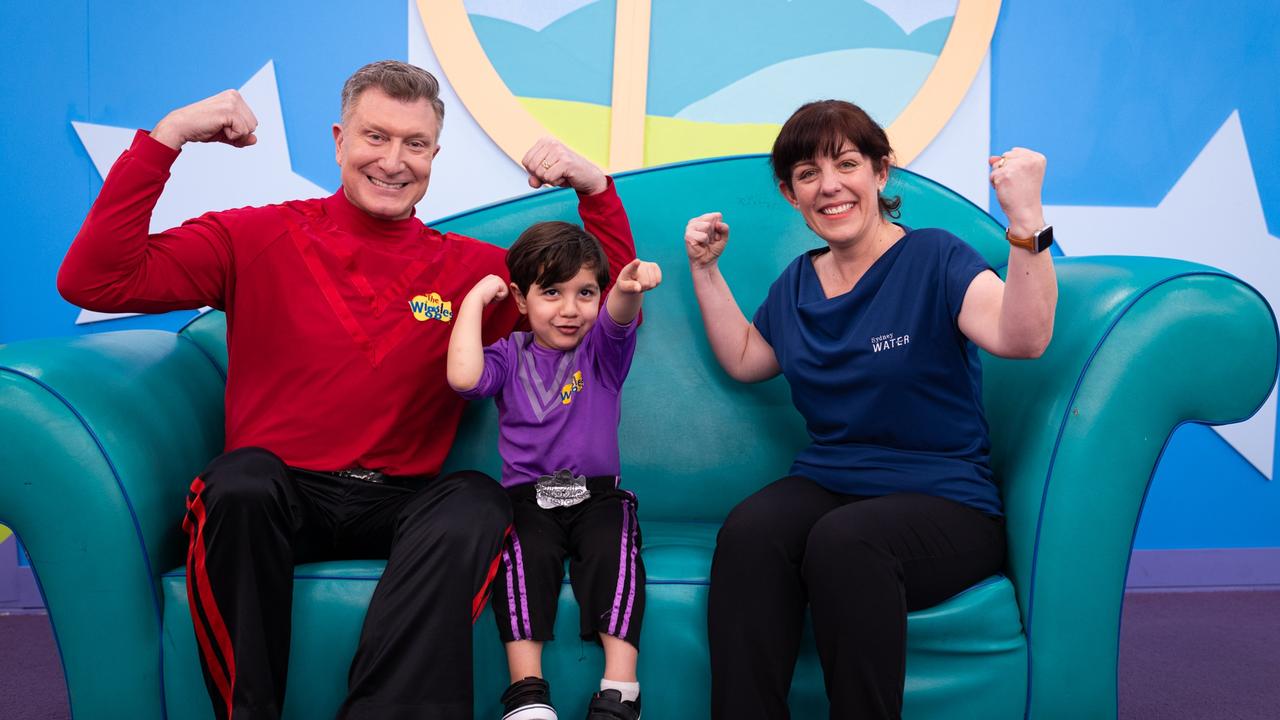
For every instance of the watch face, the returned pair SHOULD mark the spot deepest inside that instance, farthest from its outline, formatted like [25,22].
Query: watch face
[1044,239]
[1036,243]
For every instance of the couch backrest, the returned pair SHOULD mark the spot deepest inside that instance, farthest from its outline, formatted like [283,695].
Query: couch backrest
[694,442]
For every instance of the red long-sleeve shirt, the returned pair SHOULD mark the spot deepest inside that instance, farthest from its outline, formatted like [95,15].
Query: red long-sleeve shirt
[337,322]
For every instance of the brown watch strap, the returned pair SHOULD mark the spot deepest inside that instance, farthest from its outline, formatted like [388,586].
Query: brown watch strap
[1026,243]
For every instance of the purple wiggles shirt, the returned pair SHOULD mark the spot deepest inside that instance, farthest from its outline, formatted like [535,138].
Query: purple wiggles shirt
[558,410]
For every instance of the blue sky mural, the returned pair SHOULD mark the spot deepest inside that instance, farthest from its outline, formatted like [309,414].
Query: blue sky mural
[725,46]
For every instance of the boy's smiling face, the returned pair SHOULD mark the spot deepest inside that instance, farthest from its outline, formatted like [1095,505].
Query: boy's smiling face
[561,314]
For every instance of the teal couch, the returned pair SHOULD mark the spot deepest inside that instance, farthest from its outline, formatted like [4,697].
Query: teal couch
[100,436]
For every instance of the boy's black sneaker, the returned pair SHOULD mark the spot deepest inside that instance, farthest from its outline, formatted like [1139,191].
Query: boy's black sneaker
[529,699]
[609,705]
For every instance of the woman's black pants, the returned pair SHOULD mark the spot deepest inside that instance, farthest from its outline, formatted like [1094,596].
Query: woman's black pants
[860,564]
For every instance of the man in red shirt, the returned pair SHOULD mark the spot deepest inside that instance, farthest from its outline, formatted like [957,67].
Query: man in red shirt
[338,416]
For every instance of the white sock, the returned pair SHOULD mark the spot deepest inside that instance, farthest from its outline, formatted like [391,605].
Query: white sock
[630,690]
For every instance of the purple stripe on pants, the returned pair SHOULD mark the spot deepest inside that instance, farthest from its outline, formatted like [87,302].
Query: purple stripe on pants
[524,593]
[631,569]
[511,595]
[622,570]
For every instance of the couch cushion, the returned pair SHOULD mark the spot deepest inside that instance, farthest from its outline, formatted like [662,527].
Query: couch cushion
[966,657]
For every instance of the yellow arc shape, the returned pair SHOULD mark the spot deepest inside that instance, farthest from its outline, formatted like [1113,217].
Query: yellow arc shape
[514,129]
[937,99]
[473,77]
[630,84]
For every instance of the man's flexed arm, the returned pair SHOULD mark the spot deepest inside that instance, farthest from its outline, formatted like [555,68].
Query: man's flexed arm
[551,162]
[224,118]
[115,265]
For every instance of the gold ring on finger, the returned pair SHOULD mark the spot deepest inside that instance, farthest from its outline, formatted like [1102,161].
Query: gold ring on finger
[546,165]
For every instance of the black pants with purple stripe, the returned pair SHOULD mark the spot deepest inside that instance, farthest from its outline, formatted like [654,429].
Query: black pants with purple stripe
[251,519]
[601,538]
[860,564]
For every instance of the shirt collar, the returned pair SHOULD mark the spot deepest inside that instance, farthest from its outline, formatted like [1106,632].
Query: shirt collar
[353,219]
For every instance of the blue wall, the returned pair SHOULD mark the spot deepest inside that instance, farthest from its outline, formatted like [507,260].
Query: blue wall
[127,64]
[1121,97]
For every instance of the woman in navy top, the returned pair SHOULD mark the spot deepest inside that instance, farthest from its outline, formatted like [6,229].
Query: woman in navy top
[891,508]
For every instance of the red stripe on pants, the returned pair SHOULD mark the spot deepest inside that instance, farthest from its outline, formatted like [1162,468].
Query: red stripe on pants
[478,602]
[203,600]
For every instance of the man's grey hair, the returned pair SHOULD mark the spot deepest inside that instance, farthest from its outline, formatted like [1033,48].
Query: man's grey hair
[400,80]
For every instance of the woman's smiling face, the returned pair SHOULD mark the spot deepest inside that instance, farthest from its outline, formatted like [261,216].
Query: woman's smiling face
[839,197]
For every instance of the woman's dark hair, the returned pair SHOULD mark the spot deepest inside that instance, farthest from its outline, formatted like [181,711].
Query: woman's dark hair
[551,252]
[820,129]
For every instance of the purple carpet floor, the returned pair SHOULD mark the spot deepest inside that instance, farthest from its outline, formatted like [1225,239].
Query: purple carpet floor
[1201,655]
[1183,656]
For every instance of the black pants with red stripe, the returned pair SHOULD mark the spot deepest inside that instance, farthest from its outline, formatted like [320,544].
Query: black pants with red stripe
[251,518]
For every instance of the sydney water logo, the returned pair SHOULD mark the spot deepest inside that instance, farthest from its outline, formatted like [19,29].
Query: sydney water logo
[889,341]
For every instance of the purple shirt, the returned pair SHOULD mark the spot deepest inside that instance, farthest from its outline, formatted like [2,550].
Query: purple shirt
[558,410]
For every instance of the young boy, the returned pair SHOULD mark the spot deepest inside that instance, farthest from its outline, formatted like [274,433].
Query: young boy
[558,391]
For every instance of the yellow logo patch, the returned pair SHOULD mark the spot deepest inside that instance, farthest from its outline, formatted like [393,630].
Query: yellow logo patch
[571,387]
[431,307]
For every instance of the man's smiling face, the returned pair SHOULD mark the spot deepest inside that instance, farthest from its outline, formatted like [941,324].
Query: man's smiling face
[385,148]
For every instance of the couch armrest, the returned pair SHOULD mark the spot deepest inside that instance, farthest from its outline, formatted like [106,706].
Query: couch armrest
[102,435]
[1141,346]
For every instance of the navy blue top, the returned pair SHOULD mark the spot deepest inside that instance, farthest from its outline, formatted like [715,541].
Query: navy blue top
[890,389]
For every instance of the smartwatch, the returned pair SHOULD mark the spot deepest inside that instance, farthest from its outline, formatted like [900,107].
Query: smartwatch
[1036,243]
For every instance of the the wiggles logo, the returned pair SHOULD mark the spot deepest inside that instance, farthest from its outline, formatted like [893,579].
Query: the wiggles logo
[431,307]
[571,387]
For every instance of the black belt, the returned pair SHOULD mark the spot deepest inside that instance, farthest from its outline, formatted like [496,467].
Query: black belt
[372,476]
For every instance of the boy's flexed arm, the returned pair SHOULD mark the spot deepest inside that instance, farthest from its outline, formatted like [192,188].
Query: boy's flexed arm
[634,280]
[466,349]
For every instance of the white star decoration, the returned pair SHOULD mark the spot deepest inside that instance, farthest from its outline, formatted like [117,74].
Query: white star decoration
[213,176]
[1212,215]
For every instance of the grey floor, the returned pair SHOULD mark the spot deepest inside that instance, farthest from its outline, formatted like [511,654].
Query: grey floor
[1183,656]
